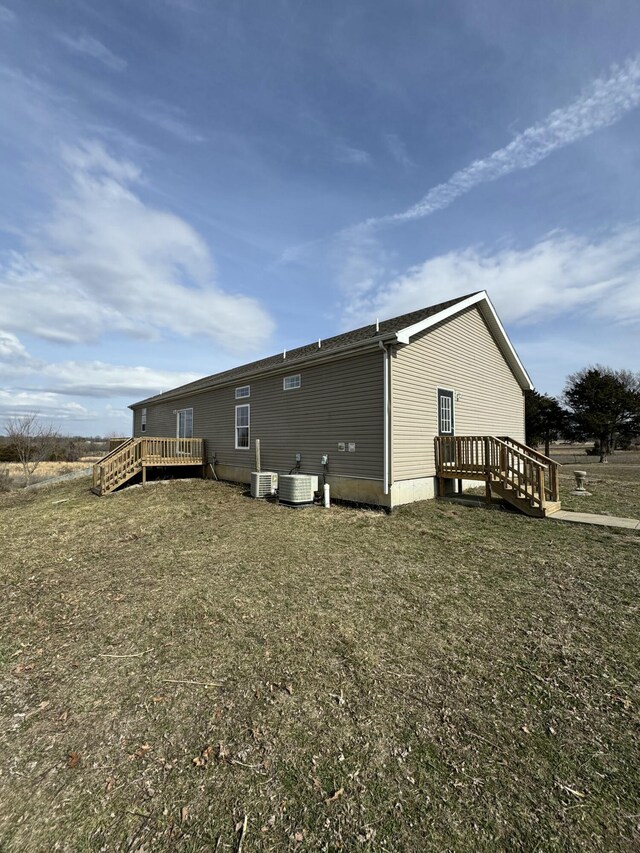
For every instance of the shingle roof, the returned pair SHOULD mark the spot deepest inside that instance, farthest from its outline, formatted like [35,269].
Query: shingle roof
[364,334]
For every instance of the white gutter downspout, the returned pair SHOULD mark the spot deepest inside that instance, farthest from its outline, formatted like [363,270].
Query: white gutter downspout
[386,418]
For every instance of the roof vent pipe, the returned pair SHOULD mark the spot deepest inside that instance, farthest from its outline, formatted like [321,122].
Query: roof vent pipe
[377,324]
[319,342]
[284,354]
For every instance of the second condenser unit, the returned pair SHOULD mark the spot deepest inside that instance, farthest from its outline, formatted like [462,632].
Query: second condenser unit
[297,489]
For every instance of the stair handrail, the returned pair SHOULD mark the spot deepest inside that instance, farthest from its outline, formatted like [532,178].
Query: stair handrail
[494,457]
[116,450]
[117,460]
[526,448]
[531,486]
[551,464]
[97,466]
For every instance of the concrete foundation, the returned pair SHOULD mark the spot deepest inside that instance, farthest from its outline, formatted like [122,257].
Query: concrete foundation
[408,491]
[356,489]
[362,490]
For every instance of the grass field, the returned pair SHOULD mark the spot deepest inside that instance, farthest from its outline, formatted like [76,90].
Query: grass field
[45,470]
[614,486]
[186,669]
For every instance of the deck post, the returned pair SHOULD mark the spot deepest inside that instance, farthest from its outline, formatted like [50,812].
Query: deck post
[487,470]
[144,474]
[553,471]
[541,485]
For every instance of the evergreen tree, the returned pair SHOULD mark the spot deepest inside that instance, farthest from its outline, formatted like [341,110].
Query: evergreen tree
[545,419]
[604,404]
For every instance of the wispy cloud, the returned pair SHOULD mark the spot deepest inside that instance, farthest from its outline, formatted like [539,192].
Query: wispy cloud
[51,406]
[561,274]
[6,15]
[351,156]
[602,103]
[90,46]
[11,349]
[81,378]
[398,150]
[103,261]
[170,119]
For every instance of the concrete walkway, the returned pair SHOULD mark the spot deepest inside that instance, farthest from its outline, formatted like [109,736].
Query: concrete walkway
[590,518]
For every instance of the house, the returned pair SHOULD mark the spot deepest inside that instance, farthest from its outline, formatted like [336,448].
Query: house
[363,407]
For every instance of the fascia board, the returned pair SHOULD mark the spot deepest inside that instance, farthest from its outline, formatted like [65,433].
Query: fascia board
[481,299]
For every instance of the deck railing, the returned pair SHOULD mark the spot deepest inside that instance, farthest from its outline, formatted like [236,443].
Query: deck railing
[527,473]
[551,467]
[137,453]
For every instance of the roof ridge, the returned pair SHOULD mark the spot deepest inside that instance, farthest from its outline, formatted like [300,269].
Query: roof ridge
[382,327]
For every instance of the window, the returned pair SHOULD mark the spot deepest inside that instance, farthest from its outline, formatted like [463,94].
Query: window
[244,391]
[242,427]
[290,382]
[143,420]
[184,423]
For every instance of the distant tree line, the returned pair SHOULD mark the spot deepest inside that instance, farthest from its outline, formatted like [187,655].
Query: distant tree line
[30,441]
[598,403]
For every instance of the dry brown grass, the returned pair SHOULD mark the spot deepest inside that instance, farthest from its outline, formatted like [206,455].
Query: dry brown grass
[614,486]
[45,470]
[442,679]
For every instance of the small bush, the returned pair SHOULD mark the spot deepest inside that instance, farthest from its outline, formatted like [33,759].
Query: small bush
[8,452]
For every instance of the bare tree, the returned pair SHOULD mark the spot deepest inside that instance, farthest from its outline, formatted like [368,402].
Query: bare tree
[33,442]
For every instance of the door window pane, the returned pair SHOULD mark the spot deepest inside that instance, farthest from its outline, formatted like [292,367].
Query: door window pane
[185,423]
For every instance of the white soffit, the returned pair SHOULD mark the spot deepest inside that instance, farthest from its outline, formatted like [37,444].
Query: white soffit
[482,301]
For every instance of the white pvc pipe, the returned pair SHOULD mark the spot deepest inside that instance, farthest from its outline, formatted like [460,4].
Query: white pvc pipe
[327,502]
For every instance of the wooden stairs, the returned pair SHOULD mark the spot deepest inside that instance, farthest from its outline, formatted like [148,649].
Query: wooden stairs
[135,455]
[524,478]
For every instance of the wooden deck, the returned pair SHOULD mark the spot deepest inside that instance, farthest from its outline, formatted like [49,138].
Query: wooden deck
[135,455]
[520,475]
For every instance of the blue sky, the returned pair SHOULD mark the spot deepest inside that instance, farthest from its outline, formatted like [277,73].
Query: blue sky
[188,185]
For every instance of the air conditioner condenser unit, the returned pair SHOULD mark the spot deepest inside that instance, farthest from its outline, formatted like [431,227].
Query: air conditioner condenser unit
[297,489]
[263,483]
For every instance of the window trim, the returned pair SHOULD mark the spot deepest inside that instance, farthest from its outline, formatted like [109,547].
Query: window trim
[143,420]
[236,427]
[291,387]
[240,388]
[178,411]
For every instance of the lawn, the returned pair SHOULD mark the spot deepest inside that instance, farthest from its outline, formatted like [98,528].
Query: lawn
[614,486]
[186,669]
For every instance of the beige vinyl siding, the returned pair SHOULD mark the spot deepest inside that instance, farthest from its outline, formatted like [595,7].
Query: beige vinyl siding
[459,355]
[339,400]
